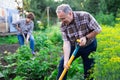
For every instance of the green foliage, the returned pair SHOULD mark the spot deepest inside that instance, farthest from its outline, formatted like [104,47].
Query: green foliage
[18,78]
[107,57]
[118,16]
[48,46]
[10,58]
[8,40]
[39,7]
[88,6]
[76,70]
[24,51]
[75,5]
[7,67]
[105,6]
[48,38]
[110,8]
[54,36]
[6,73]
[40,25]
[40,66]
[43,65]
[106,19]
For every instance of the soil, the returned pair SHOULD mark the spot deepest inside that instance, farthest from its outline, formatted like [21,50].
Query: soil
[5,49]
[9,48]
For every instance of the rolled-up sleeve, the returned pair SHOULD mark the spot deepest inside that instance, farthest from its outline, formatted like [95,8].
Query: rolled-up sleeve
[15,23]
[93,24]
[64,35]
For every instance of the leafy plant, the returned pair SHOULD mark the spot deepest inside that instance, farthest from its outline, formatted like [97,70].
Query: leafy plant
[107,58]
[8,40]
[106,19]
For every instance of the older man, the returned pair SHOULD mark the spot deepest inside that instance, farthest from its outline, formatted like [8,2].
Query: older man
[77,25]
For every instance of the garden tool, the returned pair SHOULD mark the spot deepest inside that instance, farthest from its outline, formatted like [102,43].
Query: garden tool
[70,60]
[24,38]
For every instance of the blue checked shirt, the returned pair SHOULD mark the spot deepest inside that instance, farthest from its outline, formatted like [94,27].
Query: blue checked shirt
[26,28]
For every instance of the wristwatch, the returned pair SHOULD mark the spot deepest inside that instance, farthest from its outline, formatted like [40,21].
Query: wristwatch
[86,37]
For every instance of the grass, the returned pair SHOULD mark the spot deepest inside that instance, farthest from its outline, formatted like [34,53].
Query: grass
[8,40]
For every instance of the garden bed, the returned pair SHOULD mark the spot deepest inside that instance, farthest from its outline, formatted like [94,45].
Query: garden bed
[5,48]
[9,48]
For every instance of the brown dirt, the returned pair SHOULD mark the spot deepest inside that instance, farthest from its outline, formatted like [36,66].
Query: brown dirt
[9,48]
[5,49]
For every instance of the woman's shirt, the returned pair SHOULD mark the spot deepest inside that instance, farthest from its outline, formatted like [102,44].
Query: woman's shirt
[26,28]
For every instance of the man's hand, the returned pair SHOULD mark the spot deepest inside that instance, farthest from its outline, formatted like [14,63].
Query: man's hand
[66,66]
[82,41]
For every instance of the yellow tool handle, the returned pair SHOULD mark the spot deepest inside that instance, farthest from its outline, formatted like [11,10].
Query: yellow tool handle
[24,38]
[69,63]
[63,73]
[65,70]
[23,35]
[78,40]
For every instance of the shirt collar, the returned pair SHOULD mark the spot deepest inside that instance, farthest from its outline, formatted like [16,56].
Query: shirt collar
[75,17]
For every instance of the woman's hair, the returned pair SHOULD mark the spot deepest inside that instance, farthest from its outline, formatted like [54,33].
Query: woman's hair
[30,15]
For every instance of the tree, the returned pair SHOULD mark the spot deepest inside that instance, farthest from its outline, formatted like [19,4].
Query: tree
[113,6]
[92,6]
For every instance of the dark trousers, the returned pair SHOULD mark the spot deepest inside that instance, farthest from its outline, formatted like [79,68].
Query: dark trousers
[84,53]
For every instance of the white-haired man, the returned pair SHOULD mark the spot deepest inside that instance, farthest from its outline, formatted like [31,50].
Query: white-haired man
[77,25]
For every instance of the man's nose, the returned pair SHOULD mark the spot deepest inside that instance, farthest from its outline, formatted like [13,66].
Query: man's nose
[62,21]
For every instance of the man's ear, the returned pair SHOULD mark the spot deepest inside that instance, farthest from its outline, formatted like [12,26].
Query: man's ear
[70,13]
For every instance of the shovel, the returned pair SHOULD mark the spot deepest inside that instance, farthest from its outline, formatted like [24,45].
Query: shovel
[24,38]
[26,44]
[70,60]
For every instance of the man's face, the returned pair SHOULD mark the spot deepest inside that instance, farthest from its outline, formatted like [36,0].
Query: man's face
[65,18]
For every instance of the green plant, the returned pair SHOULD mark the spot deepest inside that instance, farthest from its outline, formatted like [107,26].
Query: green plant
[76,70]
[43,66]
[35,67]
[44,63]
[106,19]
[8,40]
[18,78]
[107,57]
